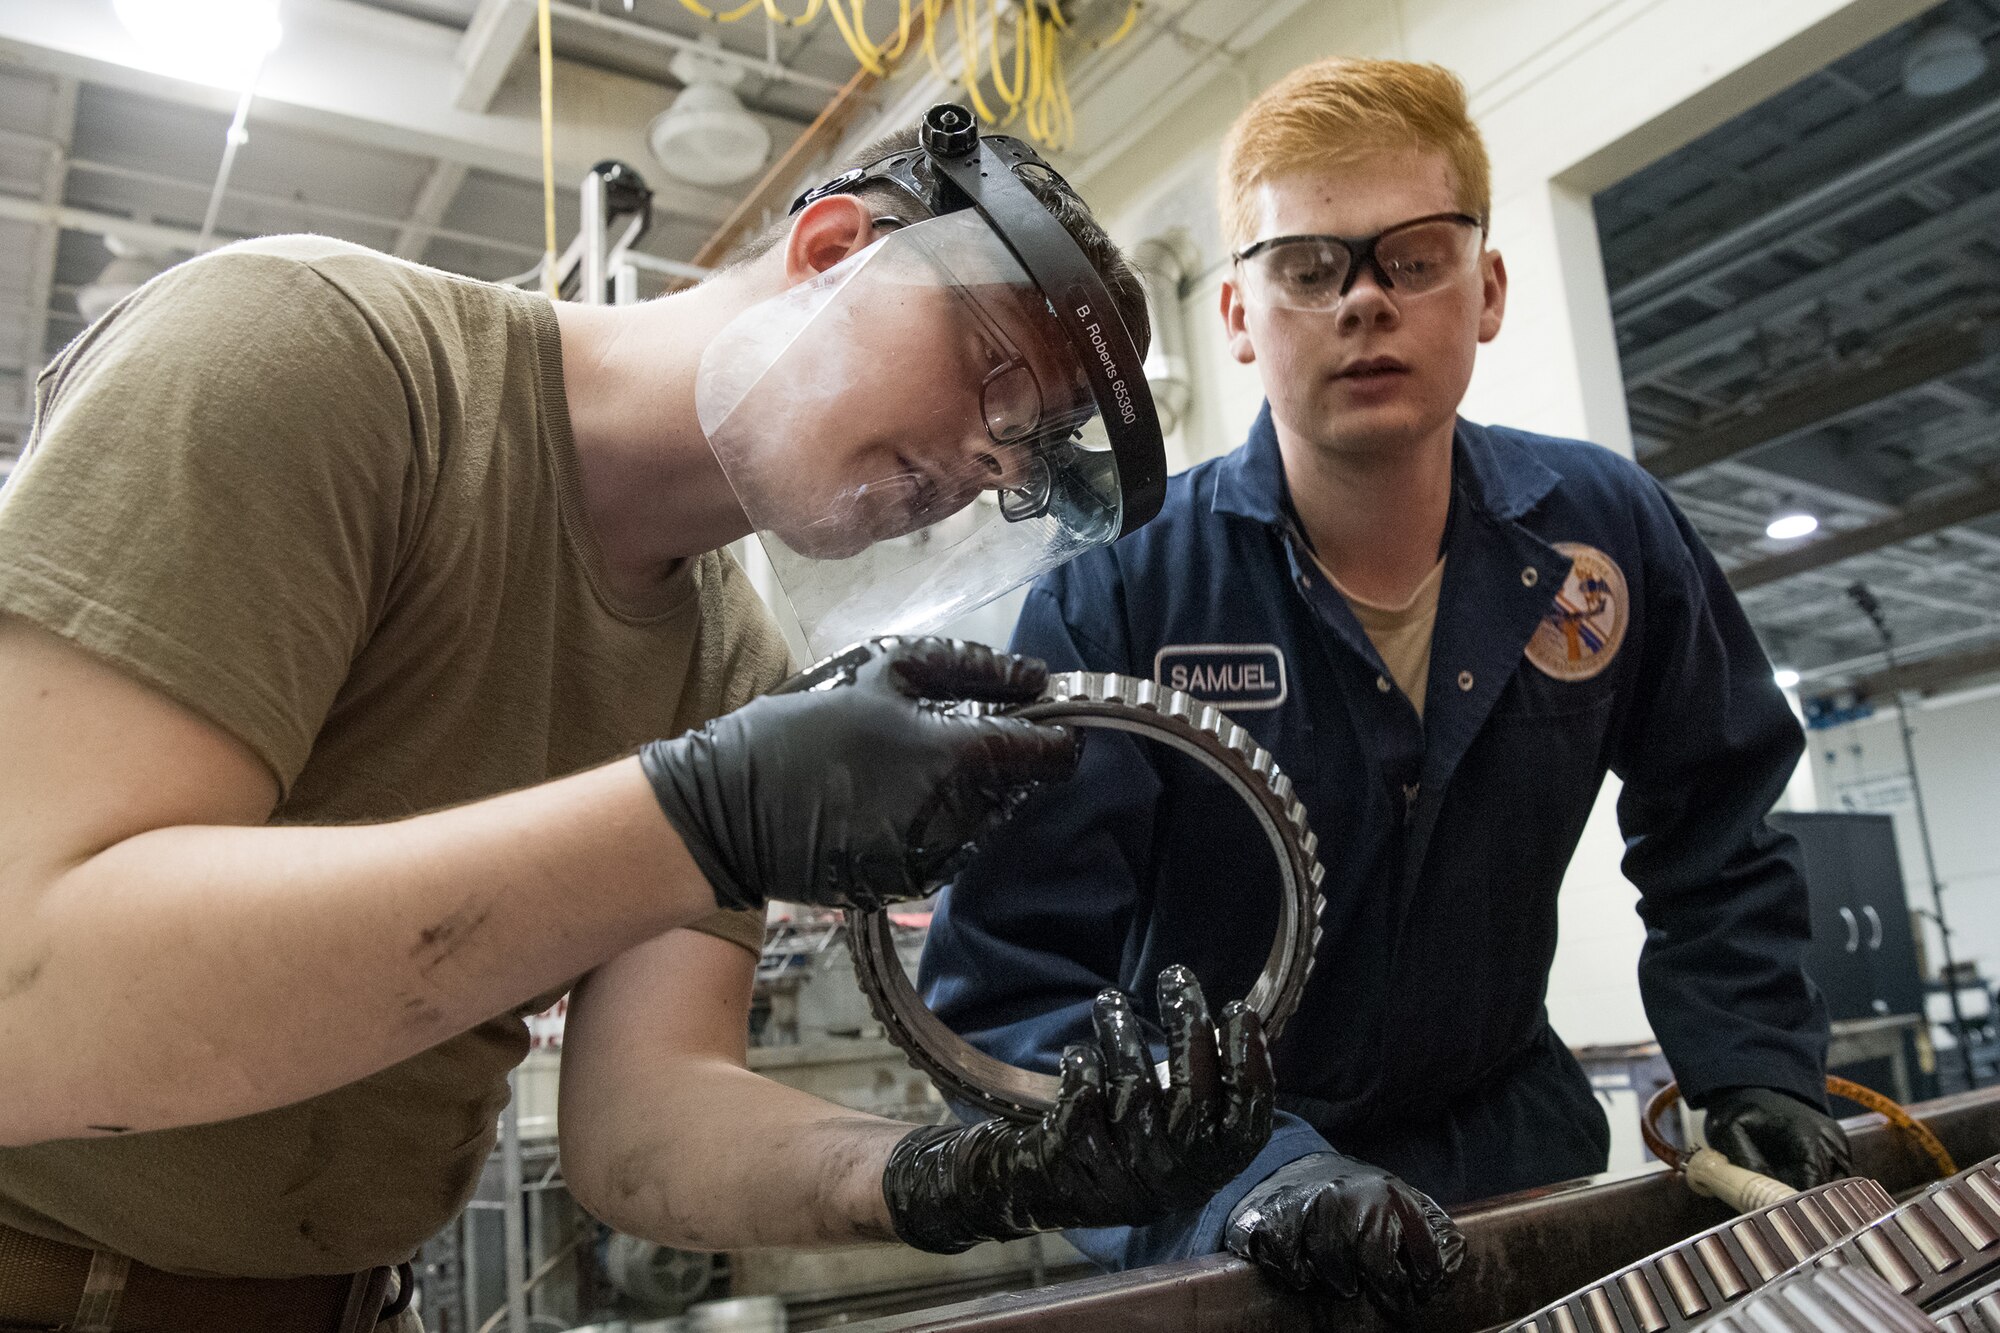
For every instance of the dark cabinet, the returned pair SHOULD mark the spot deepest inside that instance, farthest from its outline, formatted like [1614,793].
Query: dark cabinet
[1864,957]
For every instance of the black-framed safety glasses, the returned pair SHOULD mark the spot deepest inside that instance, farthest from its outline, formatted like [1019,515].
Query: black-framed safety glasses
[1011,405]
[1010,396]
[1317,272]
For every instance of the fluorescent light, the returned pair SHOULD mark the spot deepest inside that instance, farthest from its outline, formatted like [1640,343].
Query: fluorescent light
[207,41]
[1787,678]
[1785,527]
[130,269]
[1941,61]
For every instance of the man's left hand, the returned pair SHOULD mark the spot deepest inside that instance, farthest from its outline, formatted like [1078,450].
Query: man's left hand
[1117,1149]
[1775,1134]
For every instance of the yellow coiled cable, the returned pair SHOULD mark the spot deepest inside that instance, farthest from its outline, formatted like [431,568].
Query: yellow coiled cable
[1037,90]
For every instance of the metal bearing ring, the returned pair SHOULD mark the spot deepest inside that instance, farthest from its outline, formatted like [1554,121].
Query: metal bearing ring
[1146,709]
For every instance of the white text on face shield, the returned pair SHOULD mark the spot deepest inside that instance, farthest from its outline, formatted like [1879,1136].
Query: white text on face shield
[1119,392]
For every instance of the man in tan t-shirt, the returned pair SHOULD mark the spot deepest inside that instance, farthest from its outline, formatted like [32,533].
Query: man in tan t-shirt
[335,595]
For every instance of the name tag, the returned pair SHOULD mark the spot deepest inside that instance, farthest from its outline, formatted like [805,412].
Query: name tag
[1234,676]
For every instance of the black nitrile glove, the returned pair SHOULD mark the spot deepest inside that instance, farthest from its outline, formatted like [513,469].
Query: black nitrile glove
[1775,1134]
[1329,1223]
[858,793]
[1116,1150]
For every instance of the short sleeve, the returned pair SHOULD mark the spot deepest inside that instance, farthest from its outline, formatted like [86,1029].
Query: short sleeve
[744,928]
[214,495]
[741,656]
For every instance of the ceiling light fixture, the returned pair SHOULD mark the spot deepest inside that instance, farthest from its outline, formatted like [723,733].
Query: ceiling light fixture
[1942,60]
[1787,678]
[130,269]
[708,137]
[1786,527]
[208,41]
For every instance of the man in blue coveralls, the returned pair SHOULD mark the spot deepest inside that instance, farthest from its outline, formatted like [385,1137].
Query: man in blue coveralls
[1446,634]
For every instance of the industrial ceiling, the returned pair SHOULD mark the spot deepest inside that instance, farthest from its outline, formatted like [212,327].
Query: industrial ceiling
[412,126]
[1807,301]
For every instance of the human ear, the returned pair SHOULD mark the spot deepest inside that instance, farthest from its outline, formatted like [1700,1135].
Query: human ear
[826,232]
[1234,325]
[1493,293]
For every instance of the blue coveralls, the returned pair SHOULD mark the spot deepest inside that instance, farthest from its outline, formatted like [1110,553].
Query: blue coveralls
[1423,1043]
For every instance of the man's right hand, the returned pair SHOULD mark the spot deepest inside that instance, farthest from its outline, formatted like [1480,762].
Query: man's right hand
[1117,1149]
[1344,1228]
[863,791]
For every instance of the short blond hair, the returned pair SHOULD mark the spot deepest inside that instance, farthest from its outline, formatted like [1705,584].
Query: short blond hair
[1338,109]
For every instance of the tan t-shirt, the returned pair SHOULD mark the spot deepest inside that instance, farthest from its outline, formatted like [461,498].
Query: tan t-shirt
[330,501]
[1401,634]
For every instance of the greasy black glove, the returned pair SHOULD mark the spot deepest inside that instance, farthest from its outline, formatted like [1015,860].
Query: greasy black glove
[858,793]
[1329,1223]
[1775,1134]
[1116,1150]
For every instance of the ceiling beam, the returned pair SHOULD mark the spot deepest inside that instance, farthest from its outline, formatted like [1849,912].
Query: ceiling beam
[371,76]
[1824,205]
[86,193]
[1737,323]
[1918,520]
[433,201]
[55,172]
[493,41]
[145,235]
[1932,675]
[1823,402]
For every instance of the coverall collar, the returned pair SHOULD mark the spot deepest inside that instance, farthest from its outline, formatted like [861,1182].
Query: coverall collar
[1498,475]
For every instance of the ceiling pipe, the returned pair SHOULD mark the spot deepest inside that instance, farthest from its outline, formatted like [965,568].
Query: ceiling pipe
[673,41]
[1164,263]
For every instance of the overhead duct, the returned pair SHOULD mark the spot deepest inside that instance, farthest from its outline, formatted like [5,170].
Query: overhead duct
[1163,263]
[708,137]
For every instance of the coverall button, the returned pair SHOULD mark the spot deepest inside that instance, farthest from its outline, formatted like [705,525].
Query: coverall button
[1382,684]
[1530,577]
[1465,680]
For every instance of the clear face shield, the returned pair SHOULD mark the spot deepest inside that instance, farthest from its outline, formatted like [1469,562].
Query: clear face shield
[914,432]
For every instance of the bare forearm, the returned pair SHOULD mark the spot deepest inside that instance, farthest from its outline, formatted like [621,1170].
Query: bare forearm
[722,1159]
[192,974]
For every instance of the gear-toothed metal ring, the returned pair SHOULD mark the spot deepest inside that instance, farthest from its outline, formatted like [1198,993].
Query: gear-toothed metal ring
[1147,709]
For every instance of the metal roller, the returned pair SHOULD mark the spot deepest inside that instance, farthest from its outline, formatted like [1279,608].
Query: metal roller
[1146,709]
[1683,1286]
[1940,1246]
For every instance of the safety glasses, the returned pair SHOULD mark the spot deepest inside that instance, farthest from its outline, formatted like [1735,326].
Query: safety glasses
[1317,272]
[1013,409]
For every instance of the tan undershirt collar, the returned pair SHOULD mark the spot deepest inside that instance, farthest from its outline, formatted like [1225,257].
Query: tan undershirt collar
[1401,634]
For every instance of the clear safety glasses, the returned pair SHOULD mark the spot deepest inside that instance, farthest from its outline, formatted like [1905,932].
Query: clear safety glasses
[1317,272]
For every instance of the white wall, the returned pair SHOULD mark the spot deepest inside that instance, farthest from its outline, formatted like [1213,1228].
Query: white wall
[1572,95]
[1860,766]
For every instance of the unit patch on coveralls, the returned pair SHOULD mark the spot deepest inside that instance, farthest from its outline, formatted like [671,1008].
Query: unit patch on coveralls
[1228,675]
[1581,631]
